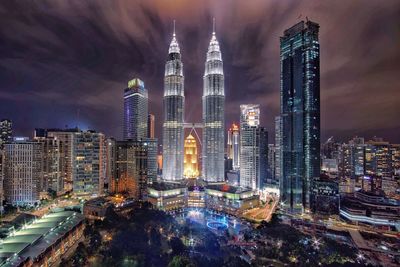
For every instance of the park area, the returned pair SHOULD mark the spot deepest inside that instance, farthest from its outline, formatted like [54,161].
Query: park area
[201,237]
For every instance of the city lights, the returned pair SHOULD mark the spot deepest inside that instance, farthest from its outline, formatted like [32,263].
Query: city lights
[185,133]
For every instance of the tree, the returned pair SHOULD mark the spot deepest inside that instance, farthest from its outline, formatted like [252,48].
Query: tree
[235,262]
[52,193]
[147,205]
[177,246]
[94,242]
[111,218]
[155,237]
[181,261]
[89,230]
[65,263]
[80,256]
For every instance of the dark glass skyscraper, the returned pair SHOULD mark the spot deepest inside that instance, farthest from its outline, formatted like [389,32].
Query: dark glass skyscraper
[135,110]
[300,113]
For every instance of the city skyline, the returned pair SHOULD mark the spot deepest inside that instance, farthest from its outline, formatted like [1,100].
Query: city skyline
[93,74]
[199,133]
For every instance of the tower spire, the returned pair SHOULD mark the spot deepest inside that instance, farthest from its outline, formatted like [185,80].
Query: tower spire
[174,46]
[213,26]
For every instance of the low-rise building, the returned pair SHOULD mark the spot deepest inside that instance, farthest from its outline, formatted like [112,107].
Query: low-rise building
[230,199]
[43,241]
[370,208]
[167,196]
[95,209]
[196,193]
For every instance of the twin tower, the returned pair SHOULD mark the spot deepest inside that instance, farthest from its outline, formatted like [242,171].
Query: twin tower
[213,114]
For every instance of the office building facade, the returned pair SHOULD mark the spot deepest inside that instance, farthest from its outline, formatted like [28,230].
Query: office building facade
[150,126]
[22,171]
[233,146]
[135,110]
[300,113]
[252,136]
[130,173]
[5,131]
[89,163]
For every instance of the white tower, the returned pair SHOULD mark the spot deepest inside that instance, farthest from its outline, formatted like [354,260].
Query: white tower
[174,110]
[213,114]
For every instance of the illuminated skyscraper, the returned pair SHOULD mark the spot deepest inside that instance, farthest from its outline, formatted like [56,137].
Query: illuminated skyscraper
[135,110]
[5,131]
[22,171]
[151,145]
[233,145]
[66,137]
[52,177]
[150,126]
[278,150]
[252,145]
[191,164]
[174,110]
[130,171]
[300,113]
[89,163]
[213,114]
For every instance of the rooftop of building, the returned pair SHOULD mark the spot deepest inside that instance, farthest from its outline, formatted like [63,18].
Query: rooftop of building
[99,201]
[164,186]
[16,223]
[372,198]
[34,238]
[228,188]
[195,183]
[299,27]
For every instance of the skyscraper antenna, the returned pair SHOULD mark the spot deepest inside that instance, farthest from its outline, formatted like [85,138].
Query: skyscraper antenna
[174,27]
[213,25]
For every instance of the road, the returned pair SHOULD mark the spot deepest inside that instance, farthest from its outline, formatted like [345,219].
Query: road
[263,213]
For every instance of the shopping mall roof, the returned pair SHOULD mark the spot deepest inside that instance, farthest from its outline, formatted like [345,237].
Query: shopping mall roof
[164,186]
[34,238]
[228,188]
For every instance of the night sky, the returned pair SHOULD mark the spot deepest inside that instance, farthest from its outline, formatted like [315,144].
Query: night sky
[67,62]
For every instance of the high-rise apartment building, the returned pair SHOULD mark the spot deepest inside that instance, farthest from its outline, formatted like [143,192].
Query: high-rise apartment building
[352,159]
[174,111]
[213,114]
[233,145]
[135,110]
[130,173]
[5,131]
[300,113]
[66,137]
[263,133]
[1,180]
[278,149]
[378,158]
[52,164]
[250,146]
[271,170]
[89,163]
[151,145]
[22,171]
[150,126]
[110,161]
